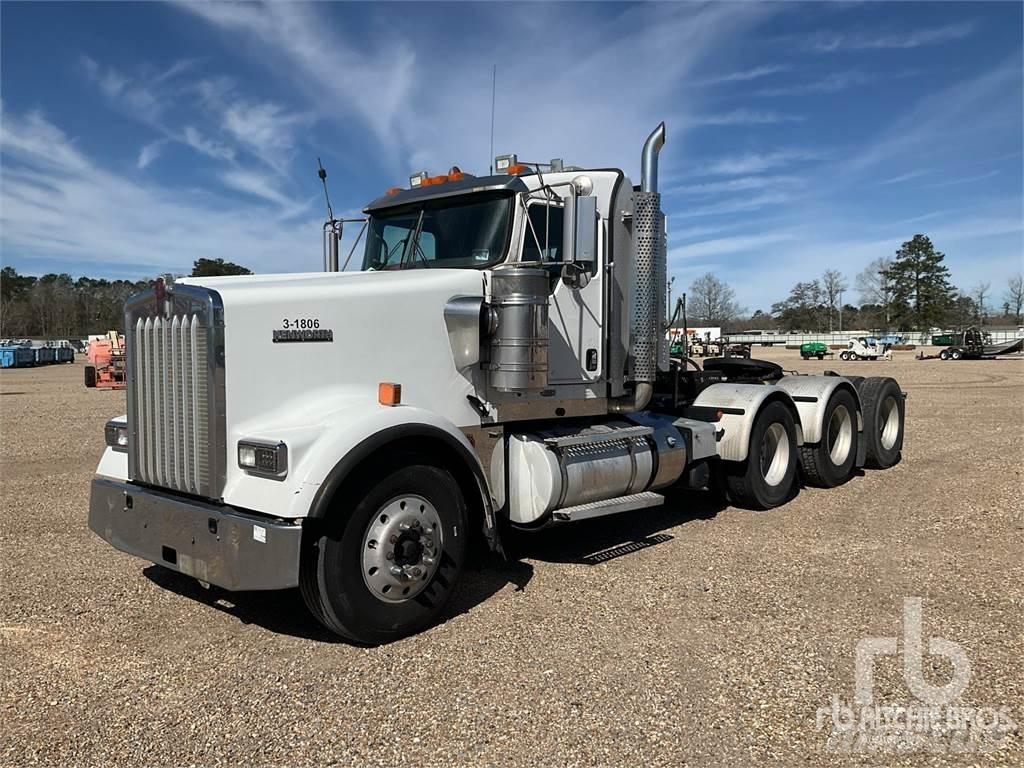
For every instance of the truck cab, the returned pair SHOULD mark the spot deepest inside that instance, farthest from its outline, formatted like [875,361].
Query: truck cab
[499,360]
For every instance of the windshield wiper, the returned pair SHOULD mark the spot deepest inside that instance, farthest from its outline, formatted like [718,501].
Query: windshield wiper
[413,243]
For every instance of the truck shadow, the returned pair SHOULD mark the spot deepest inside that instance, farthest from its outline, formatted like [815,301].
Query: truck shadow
[585,543]
[590,542]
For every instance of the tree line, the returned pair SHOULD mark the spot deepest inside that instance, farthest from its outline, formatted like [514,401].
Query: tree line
[910,291]
[58,306]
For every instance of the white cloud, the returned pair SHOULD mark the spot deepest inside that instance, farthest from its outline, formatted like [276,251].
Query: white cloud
[149,153]
[827,43]
[742,184]
[744,116]
[908,176]
[745,75]
[117,221]
[755,162]
[964,180]
[831,83]
[738,205]
[194,138]
[724,245]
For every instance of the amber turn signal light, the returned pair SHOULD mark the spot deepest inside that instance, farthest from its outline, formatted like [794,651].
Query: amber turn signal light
[389,393]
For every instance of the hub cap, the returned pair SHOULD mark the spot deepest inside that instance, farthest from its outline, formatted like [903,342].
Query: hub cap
[774,454]
[402,548]
[840,435]
[889,424]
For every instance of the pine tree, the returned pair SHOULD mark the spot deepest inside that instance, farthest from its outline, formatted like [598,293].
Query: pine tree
[921,291]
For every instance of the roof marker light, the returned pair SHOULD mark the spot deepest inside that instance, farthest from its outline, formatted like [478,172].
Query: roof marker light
[417,178]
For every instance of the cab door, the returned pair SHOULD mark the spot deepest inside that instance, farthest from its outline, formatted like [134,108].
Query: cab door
[575,315]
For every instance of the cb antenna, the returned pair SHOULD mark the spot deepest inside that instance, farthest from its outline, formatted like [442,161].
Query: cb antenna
[494,83]
[322,173]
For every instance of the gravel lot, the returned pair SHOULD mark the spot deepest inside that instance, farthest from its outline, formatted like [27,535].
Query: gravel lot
[713,642]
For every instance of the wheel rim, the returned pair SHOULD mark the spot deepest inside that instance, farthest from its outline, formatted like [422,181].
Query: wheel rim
[839,435]
[889,423]
[402,548]
[774,454]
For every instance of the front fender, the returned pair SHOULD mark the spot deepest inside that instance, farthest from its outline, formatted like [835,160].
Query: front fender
[740,404]
[325,451]
[811,395]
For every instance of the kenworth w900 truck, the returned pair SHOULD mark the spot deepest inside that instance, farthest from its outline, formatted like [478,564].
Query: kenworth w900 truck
[500,361]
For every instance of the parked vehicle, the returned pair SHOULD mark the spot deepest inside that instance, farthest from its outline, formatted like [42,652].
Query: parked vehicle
[813,349]
[106,366]
[861,349]
[976,345]
[495,365]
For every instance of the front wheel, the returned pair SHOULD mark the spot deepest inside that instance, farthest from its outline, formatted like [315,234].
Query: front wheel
[765,479]
[387,570]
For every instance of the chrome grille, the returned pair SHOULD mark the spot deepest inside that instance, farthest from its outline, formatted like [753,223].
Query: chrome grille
[175,391]
[171,408]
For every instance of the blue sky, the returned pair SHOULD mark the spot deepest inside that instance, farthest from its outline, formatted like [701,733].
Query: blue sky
[801,137]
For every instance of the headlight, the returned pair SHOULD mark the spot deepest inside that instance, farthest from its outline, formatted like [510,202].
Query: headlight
[263,458]
[116,434]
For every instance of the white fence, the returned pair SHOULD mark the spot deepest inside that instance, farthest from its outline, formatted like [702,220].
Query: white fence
[919,339]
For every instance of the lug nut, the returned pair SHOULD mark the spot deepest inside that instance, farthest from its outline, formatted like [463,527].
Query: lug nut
[391,555]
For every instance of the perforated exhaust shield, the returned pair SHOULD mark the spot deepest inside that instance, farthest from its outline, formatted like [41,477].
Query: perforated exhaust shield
[649,285]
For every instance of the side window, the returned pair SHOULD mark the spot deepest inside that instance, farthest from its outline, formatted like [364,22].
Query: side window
[542,216]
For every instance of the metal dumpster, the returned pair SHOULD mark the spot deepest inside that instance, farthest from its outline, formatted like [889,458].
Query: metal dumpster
[45,355]
[65,355]
[16,357]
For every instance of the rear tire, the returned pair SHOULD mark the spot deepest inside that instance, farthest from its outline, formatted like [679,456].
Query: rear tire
[412,519]
[883,406]
[830,462]
[956,354]
[766,479]
[944,354]
[90,376]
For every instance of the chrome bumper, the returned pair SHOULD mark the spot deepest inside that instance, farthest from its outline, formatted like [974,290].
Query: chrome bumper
[212,542]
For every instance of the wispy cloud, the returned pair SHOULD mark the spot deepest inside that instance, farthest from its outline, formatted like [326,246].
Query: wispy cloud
[908,176]
[742,184]
[964,180]
[743,75]
[832,83]
[149,153]
[755,162]
[48,181]
[829,42]
[738,205]
[724,245]
[744,116]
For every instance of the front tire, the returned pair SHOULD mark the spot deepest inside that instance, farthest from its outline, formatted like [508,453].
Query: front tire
[765,480]
[386,569]
[831,461]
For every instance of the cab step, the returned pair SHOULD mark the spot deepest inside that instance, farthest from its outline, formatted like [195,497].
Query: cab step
[608,507]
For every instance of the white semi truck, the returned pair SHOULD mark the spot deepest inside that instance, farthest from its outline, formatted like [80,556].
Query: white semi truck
[500,361]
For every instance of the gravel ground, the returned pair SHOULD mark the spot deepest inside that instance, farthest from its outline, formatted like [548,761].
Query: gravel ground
[712,639]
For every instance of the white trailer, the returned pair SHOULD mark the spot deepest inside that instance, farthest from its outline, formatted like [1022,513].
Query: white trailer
[499,362]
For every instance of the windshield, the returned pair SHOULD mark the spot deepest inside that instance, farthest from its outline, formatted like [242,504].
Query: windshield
[455,232]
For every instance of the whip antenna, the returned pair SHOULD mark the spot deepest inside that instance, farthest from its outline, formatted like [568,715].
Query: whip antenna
[322,173]
[494,83]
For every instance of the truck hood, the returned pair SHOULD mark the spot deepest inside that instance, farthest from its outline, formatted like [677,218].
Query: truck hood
[343,334]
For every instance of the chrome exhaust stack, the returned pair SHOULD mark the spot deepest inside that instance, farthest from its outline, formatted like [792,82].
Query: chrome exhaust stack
[649,277]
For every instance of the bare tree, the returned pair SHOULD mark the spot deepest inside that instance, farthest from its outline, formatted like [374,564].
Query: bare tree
[834,284]
[874,286]
[981,290]
[1015,295]
[713,301]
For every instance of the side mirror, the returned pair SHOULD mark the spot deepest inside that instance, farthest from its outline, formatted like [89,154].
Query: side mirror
[579,230]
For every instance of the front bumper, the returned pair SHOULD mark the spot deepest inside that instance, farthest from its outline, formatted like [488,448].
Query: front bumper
[212,542]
